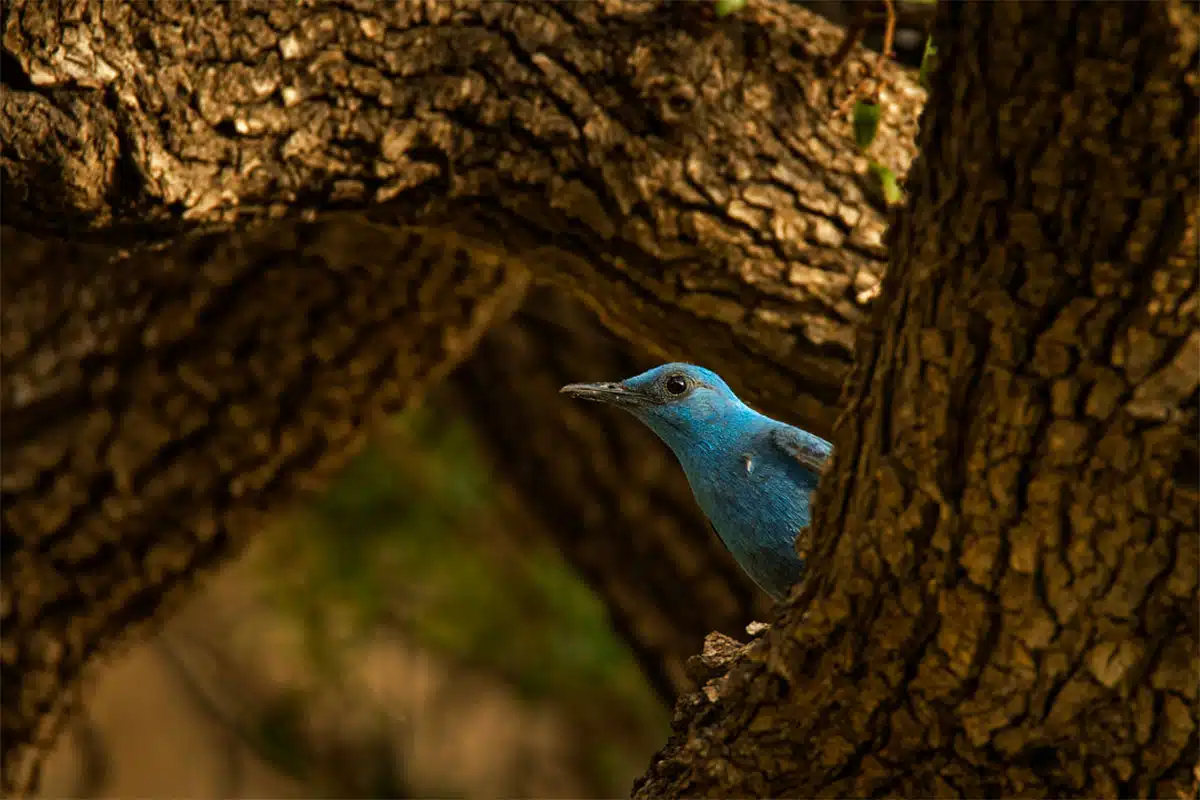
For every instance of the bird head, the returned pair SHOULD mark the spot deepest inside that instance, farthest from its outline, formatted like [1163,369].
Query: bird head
[679,402]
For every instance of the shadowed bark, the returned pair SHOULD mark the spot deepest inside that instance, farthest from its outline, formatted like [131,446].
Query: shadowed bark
[156,405]
[1003,598]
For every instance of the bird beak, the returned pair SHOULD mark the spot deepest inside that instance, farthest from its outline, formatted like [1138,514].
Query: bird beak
[616,394]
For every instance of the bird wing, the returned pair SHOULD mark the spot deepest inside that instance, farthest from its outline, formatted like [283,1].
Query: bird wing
[811,451]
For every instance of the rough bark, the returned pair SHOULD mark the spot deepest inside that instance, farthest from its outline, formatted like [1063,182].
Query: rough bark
[156,405]
[684,176]
[603,488]
[1004,597]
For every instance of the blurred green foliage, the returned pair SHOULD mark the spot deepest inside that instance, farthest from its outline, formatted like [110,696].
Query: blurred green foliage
[727,7]
[866,123]
[928,61]
[411,536]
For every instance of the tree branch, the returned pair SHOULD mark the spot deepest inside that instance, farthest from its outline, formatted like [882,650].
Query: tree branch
[156,405]
[684,175]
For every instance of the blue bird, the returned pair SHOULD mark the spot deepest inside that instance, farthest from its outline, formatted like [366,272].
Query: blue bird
[752,475]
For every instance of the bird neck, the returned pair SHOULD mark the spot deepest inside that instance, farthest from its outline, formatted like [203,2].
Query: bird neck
[698,433]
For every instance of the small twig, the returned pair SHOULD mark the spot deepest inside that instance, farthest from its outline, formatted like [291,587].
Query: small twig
[852,36]
[889,34]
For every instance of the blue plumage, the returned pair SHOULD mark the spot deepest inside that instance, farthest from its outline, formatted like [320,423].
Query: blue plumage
[753,476]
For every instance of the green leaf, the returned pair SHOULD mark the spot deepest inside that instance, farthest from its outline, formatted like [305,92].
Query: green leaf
[886,180]
[866,123]
[928,61]
[727,7]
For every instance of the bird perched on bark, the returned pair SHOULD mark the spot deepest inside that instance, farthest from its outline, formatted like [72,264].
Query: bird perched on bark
[752,475]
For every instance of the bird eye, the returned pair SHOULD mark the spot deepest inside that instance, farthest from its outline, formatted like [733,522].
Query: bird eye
[676,384]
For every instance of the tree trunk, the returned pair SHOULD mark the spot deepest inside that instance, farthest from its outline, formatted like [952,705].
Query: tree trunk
[684,176]
[1003,598]
[603,488]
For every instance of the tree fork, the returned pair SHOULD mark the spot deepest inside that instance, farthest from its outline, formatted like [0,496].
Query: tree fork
[685,179]
[1004,595]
